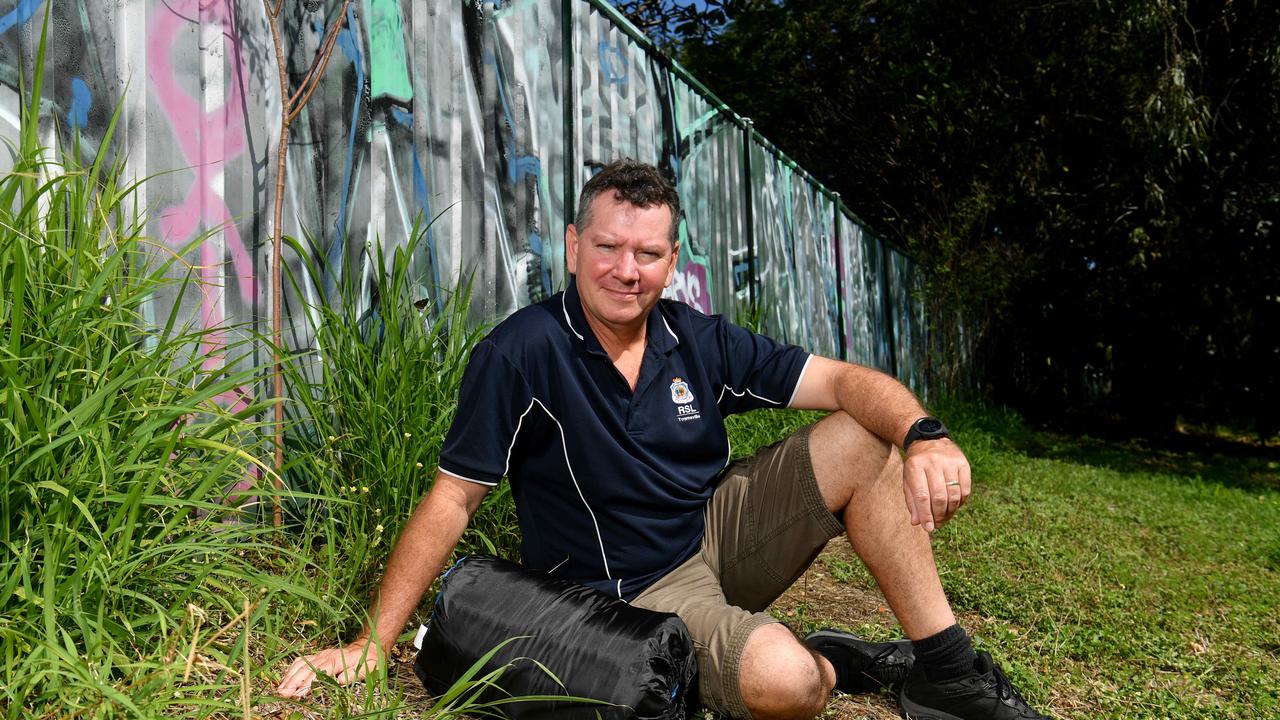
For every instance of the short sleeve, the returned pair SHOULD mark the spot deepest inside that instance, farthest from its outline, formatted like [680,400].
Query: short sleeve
[758,372]
[491,403]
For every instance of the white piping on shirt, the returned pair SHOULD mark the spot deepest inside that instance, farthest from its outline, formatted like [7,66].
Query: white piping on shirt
[564,444]
[569,322]
[795,390]
[747,392]
[669,330]
[799,380]
[471,480]
[515,435]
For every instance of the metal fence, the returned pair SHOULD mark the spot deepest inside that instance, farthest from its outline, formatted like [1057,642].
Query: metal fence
[485,117]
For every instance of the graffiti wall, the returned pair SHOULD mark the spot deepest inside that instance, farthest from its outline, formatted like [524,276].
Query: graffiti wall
[470,123]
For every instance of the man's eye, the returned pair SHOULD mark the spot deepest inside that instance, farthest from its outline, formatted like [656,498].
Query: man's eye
[646,255]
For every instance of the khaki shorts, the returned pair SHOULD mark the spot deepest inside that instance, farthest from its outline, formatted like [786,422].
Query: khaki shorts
[765,523]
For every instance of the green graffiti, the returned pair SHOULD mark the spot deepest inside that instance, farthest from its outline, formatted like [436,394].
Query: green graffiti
[388,61]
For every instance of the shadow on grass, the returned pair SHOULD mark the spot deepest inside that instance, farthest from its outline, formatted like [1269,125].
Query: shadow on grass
[1232,463]
[1237,462]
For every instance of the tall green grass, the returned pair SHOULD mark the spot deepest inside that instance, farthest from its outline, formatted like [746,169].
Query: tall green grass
[125,575]
[134,582]
[370,405]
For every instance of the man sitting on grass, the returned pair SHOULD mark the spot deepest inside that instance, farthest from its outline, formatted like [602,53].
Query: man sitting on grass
[605,408]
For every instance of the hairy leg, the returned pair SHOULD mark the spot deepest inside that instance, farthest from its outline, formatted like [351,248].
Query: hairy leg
[860,478]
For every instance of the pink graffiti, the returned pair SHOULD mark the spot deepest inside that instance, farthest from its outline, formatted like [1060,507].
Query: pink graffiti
[208,140]
[689,286]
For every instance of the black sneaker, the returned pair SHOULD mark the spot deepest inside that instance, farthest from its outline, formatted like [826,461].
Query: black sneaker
[861,666]
[986,694]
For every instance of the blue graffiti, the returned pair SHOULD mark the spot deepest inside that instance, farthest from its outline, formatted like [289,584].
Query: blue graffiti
[614,70]
[741,276]
[351,48]
[521,167]
[524,165]
[405,118]
[535,246]
[81,102]
[19,15]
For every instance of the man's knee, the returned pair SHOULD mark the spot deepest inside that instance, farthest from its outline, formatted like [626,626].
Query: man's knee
[846,458]
[781,678]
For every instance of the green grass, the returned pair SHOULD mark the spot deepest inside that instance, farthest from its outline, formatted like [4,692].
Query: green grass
[126,565]
[371,402]
[136,579]
[750,431]
[1117,580]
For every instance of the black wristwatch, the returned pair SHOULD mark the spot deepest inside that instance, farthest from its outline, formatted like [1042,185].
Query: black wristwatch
[926,428]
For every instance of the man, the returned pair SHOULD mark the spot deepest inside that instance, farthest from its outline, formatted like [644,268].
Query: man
[604,407]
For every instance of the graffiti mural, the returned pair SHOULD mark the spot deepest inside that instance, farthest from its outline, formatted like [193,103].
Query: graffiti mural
[466,124]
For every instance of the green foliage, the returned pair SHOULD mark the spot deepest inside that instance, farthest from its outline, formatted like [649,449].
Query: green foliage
[750,431]
[1092,185]
[123,560]
[371,403]
[135,578]
[1110,580]
[1126,577]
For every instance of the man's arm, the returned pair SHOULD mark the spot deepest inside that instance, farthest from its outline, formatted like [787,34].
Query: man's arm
[935,474]
[419,555]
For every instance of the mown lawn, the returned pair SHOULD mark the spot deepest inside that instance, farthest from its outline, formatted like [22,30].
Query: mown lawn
[1111,579]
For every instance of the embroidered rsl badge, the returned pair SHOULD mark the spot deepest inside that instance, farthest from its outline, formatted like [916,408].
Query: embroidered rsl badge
[682,396]
[680,392]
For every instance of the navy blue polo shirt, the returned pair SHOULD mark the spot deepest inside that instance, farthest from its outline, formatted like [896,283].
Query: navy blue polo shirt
[610,485]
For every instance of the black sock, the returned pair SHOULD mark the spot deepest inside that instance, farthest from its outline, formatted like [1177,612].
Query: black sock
[945,656]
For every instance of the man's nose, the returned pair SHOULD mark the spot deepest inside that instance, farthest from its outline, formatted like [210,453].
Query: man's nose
[626,267]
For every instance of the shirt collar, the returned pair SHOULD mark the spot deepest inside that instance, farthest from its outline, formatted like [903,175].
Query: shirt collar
[661,335]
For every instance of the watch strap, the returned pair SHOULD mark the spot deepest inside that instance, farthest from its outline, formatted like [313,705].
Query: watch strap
[926,428]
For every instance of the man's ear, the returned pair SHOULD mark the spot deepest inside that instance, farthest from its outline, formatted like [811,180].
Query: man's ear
[675,262]
[571,248]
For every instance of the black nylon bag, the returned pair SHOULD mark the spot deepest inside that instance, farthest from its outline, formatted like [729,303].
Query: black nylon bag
[599,646]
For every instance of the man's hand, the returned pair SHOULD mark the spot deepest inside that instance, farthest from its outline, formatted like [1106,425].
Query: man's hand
[424,546]
[935,480]
[346,665]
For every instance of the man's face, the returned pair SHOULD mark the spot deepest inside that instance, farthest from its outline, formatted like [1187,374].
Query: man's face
[623,259]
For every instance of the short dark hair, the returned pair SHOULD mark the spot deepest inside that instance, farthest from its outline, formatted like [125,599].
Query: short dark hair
[632,181]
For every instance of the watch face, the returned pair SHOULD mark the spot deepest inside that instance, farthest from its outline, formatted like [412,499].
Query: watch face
[929,425]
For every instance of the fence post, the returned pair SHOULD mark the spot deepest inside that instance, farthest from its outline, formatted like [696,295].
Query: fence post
[753,298]
[568,95]
[839,258]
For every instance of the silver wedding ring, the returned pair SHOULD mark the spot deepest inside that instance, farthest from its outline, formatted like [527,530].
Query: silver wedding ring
[953,483]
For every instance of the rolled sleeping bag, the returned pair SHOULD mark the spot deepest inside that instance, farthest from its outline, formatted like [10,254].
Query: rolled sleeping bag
[641,662]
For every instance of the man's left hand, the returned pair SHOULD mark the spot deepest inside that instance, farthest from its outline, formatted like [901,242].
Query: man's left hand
[935,481]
